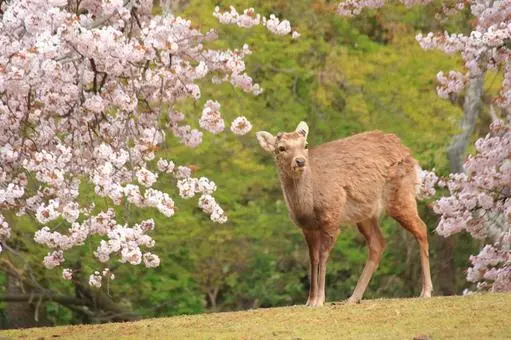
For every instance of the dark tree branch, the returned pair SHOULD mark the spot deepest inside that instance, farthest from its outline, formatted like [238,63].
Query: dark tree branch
[64,300]
[95,70]
[95,304]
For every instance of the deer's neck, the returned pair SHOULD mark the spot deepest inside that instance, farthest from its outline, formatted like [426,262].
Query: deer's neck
[298,193]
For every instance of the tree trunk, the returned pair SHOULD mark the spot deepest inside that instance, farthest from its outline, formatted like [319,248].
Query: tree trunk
[212,294]
[101,307]
[471,109]
[446,279]
[26,302]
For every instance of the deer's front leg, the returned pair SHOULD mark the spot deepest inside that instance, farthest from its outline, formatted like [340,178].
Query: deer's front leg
[326,244]
[313,242]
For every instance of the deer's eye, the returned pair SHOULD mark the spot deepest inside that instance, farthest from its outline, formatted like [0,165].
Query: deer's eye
[306,146]
[282,148]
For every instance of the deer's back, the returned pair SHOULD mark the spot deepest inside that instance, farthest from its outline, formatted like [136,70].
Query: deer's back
[356,172]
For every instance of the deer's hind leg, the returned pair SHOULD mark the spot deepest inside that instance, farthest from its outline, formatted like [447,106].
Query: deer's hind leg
[402,206]
[375,244]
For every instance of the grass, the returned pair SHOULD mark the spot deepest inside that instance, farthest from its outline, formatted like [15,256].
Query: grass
[470,317]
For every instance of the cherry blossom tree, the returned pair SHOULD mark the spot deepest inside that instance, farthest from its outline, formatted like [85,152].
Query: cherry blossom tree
[480,203]
[84,89]
[480,197]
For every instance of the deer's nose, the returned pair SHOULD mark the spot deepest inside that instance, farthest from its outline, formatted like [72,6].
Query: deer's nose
[300,162]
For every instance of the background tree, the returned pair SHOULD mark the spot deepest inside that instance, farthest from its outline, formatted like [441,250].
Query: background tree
[87,88]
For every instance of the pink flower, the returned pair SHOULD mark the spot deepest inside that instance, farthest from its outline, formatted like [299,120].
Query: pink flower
[53,259]
[250,18]
[94,104]
[151,260]
[82,102]
[274,25]
[95,279]
[146,177]
[241,126]
[165,166]
[211,119]
[67,274]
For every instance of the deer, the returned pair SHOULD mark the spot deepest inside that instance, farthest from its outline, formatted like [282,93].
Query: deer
[349,181]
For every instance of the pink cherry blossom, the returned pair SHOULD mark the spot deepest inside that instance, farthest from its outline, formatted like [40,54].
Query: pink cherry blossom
[165,165]
[91,97]
[95,280]
[479,203]
[151,260]
[426,186]
[241,126]
[67,274]
[484,48]
[250,18]
[54,259]
[274,25]
[211,119]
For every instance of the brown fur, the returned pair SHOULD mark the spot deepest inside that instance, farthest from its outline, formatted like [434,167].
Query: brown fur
[348,181]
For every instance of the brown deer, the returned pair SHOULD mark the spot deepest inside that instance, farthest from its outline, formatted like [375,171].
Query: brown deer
[348,181]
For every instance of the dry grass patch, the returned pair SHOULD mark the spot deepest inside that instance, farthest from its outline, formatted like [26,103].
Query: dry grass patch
[471,317]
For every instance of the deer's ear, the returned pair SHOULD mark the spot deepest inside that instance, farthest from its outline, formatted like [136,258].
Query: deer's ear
[303,129]
[266,140]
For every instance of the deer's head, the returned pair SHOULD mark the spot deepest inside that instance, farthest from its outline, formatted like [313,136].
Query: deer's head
[289,148]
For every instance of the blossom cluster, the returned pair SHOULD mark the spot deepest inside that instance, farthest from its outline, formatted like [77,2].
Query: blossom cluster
[426,186]
[96,279]
[480,203]
[211,119]
[485,48]
[241,126]
[5,230]
[491,268]
[189,186]
[354,7]
[85,88]
[450,84]
[250,18]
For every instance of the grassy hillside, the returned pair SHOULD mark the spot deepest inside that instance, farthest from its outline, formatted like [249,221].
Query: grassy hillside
[470,317]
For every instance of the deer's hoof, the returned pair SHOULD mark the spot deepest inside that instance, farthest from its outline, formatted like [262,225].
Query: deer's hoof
[425,294]
[314,303]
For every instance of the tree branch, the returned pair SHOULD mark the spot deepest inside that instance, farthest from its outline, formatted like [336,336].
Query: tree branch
[64,300]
